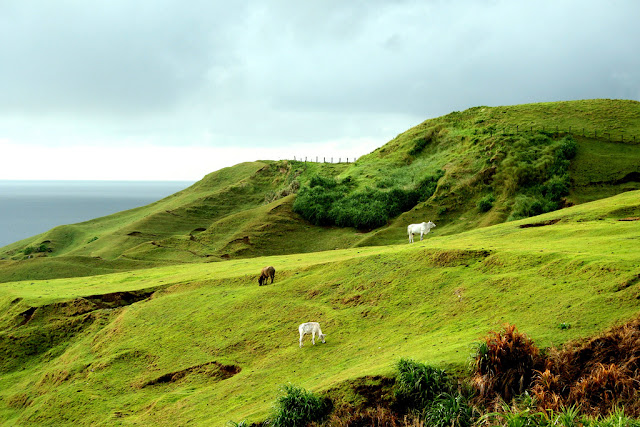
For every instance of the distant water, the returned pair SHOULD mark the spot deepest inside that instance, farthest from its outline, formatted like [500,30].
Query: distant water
[28,208]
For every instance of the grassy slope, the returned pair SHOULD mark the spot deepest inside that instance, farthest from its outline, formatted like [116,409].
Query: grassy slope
[467,144]
[224,215]
[430,301]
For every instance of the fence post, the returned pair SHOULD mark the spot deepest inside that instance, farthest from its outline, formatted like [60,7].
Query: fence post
[339,159]
[332,160]
[517,126]
[294,158]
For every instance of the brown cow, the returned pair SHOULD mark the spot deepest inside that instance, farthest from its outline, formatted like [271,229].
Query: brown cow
[267,272]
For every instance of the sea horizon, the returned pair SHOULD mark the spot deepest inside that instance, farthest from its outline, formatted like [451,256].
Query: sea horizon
[31,207]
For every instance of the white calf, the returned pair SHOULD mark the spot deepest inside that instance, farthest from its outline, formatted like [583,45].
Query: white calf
[312,328]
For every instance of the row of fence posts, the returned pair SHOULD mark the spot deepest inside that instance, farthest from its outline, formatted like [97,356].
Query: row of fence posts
[324,160]
[584,133]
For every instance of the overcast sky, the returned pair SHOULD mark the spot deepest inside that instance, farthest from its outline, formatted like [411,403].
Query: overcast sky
[173,90]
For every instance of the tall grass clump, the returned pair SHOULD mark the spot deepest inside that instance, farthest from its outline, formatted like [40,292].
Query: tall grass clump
[417,384]
[504,364]
[297,407]
[430,394]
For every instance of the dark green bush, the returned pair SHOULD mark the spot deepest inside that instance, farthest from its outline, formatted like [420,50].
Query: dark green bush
[449,409]
[297,407]
[417,384]
[328,202]
[486,203]
[430,394]
[420,143]
[322,181]
[540,168]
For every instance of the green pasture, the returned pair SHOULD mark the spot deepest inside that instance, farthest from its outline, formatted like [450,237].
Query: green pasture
[475,168]
[210,345]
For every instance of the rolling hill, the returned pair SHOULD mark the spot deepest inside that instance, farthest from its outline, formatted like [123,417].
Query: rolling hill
[154,316]
[468,169]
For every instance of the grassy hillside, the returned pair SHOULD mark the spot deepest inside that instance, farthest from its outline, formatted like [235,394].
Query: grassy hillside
[201,343]
[469,169]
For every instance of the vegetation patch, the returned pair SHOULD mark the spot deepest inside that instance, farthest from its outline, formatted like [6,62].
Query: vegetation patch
[297,407]
[597,375]
[540,224]
[214,370]
[327,201]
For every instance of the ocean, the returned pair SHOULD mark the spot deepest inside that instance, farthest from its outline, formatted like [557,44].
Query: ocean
[28,208]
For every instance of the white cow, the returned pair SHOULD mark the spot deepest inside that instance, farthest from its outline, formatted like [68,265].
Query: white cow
[312,328]
[422,228]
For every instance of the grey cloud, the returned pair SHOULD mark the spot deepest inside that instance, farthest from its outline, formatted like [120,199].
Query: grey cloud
[264,73]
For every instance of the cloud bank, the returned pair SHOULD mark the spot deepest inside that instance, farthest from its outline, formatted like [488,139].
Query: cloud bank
[187,80]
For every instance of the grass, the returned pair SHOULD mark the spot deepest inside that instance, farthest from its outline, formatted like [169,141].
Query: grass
[154,316]
[464,170]
[429,301]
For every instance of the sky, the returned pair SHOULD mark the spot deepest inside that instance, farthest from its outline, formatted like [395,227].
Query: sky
[174,90]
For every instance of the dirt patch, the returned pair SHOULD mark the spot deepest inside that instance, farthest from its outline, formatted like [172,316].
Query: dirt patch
[455,258]
[313,293]
[540,224]
[633,218]
[27,315]
[213,370]
[364,392]
[119,299]
[352,301]
[83,305]
[628,283]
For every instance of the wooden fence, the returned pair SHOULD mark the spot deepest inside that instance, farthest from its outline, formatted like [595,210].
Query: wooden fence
[319,159]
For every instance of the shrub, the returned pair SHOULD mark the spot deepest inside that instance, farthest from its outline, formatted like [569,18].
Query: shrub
[420,143]
[297,407]
[536,169]
[328,202]
[417,384]
[449,409]
[504,364]
[556,187]
[486,203]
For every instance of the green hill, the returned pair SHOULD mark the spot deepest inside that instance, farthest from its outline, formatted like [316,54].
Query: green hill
[154,316]
[468,169]
[202,343]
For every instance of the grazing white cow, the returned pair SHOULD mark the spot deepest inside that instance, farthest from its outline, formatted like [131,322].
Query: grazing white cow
[312,328]
[422,228]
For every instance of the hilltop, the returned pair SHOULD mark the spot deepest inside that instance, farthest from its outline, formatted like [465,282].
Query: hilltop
[468,169]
